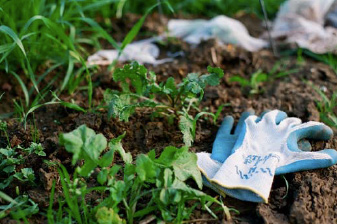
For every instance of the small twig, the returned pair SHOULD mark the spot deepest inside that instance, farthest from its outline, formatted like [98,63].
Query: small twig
[148,219]
[214,58]
[271,41]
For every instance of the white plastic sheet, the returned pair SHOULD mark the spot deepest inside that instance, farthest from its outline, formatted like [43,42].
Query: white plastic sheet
[143,51]
[225,29]
[302,22]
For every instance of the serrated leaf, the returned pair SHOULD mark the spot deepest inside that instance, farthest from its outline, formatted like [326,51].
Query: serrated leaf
[187,128]
[170,87]
[120,106]
[215,70]
[135,73]
[85,144]
[106,215]
[185,166]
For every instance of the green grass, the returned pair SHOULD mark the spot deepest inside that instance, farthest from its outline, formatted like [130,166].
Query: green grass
[208,8]
[327,107]
[257,79]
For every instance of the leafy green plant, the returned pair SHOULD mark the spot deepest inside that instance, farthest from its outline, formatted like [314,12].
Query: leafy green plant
[8,165]
[254,82]
[258,78]
[35,148]
[12,157]
[171,100]
[148,185]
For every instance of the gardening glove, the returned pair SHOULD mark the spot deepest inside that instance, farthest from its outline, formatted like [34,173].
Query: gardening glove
[266,146]
[224,143]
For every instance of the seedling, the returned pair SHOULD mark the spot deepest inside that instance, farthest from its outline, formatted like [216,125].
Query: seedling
[19,208]
[254,83]
[329,59]
[326,107]
[171,100]
[258,78]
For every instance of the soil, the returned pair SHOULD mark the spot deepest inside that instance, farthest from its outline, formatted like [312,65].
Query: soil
[312,195]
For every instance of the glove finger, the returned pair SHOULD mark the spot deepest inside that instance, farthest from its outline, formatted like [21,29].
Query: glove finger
[274,116]
[224,141]
[251,120]
[226,126]
[312,130]
[299,161]
[290,122]
[262,114]
[207,166]
[242,119]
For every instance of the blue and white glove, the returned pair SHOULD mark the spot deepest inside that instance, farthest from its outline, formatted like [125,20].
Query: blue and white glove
[224,142]
[265,146]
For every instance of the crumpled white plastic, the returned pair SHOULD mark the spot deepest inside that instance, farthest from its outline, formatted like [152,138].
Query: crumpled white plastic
[143,51]
[225,29]
[302,22]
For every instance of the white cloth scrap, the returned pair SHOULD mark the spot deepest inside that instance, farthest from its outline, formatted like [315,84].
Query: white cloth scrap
[225,29]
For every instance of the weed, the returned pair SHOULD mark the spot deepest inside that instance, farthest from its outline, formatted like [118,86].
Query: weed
[11,158]
[19,208]
[329,59]
[258,78]
[326,107]
[174,100]
[35,148]
[149,185]
[254,83]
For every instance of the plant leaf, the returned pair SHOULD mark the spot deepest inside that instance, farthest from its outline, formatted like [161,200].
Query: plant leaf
[85,144]
[187,128]
[185,166]
[106,215]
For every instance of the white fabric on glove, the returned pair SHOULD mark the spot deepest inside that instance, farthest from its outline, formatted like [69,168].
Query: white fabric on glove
[302,22]
[225,29]
[261,148]
[143,51]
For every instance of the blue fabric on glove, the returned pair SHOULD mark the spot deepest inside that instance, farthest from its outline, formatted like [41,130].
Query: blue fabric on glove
[225,141]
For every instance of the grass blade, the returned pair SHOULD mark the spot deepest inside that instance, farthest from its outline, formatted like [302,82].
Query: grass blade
[69,73]
[135,29]
[23,87]
[12,34]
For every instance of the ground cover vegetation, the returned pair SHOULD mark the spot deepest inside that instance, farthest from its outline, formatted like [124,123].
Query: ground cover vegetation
[81,144]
